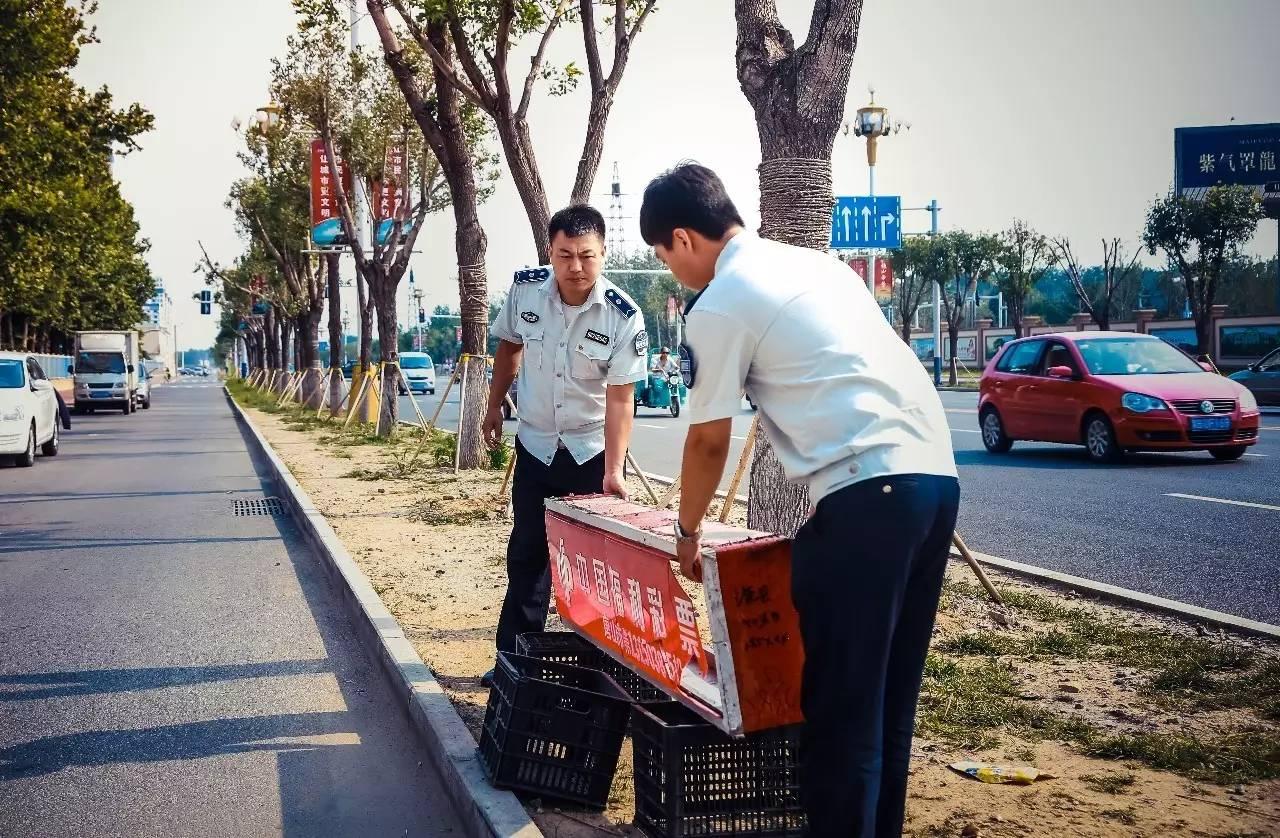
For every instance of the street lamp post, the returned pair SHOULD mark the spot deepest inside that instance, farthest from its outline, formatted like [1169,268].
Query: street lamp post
[873,122]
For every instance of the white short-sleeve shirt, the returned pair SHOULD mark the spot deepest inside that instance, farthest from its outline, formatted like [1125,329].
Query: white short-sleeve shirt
[841,397]
[569,360]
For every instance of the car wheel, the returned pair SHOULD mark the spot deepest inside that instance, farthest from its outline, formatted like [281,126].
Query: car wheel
[28,458]
[1234,452]
[1100,440]
[432,391]
[675,406]
[147,404]
[993,435]
[128,407]
[50,448]
[635,409]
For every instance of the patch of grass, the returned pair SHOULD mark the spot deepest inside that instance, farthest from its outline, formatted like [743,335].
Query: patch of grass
[1109,783]
[1233,758]
[1129,816]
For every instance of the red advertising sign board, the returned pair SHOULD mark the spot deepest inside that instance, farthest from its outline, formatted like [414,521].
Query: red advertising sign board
[388,192]
[884,279]
[860,266]
[457,333]
[324,194]
[612,573]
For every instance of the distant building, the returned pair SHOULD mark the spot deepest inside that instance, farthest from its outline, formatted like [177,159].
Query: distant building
[159,335]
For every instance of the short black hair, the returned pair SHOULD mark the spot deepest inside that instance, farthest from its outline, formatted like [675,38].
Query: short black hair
[577,220]
[689,196]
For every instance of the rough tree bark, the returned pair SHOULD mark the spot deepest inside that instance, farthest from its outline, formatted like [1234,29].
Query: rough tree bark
[271,338]
[798,97]
[440,121]
[337,341]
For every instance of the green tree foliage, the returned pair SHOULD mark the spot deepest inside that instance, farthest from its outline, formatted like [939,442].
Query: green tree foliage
[1200,237]
[650,291]
[1023,260]
[917,265]
[70,255]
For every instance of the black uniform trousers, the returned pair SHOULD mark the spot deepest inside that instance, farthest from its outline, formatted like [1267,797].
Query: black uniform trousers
[524,608]
[866,575]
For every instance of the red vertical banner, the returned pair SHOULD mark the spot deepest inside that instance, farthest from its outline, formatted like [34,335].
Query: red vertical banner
[326,225]
[884,279]
[389,191]
[861,266]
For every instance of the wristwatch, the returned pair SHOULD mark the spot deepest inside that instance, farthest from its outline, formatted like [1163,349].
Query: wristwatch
[681,535]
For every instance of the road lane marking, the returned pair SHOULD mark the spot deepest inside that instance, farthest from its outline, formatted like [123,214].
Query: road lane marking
[1255,455]
[656,427]
[737,437]
[959,410]
[1269,428]
[964,431]
[1223,500]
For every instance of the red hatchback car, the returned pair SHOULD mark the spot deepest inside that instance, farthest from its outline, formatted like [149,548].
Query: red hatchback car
[1112,392]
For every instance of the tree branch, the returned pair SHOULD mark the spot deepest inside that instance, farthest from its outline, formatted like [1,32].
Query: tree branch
[588,14]
[477,95]
[535,64]
[463,47]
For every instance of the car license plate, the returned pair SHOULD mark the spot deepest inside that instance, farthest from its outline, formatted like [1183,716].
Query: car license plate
[1211,423]
[99,395]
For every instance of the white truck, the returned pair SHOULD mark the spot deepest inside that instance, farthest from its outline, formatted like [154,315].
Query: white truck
[105,371]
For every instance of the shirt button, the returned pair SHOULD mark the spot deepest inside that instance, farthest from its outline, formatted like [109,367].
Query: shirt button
[558,375]
[855,468]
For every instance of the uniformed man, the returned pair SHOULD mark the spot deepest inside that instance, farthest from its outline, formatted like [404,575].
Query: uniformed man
[852,414]
[579,344]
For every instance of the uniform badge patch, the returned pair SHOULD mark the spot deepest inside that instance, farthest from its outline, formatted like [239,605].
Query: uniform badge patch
[620,303]
[688,366]
[597,337]
[533,274]
[642,343]
[528,317]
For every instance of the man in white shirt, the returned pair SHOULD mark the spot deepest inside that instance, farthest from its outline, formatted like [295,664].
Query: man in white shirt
[852,414]
[579,344]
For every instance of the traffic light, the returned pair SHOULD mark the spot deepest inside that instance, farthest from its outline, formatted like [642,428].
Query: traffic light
[422,316]
[206,302]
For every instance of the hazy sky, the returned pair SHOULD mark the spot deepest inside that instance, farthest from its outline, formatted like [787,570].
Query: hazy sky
[1060,113]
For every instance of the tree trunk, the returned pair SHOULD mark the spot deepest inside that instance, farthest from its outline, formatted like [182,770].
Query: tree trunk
[518,148]
[271,338]
[384,301]
[308,328]
[337,340]
[470,244]
[953,341]
[1015,314]
[798,99]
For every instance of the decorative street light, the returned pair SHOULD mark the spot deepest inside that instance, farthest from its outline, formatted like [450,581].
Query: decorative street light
[873,122]
[268,117]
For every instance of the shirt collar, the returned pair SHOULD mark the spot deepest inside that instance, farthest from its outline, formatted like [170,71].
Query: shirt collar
[740,239]
[596,297]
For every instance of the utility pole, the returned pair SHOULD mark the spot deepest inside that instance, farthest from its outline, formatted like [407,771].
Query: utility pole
[937,302]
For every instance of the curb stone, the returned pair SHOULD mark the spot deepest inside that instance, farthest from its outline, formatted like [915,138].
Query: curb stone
[484,810]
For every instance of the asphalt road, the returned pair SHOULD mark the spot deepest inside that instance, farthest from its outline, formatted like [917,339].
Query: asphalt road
[168,668]
[1047,505]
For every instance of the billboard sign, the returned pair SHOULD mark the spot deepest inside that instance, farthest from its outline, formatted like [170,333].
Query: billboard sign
[861,266]
[389,191]
[866,221]
[1223,155]
[326,220]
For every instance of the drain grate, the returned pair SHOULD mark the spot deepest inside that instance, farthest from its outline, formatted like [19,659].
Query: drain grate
[258,506]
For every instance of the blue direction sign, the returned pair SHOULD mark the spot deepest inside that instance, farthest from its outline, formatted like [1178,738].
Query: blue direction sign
[862,221]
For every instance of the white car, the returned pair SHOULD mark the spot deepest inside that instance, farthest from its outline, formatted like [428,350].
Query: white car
[419,371]
[28,409]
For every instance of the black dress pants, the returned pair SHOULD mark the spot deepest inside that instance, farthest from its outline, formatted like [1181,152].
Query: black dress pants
[524,608]
[866,575]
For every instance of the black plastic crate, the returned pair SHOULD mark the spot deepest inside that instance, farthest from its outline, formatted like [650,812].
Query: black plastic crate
[553,729]
[691,779]
[571,648]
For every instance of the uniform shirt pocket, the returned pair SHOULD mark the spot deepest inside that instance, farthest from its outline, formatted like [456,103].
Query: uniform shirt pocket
[589,361]
[531,336]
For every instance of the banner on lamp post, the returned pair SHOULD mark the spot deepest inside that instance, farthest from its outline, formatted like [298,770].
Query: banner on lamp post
[861,266]
[884,280]
[326,217]
[389,192]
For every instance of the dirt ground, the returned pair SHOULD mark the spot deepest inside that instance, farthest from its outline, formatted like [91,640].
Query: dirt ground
[433,545]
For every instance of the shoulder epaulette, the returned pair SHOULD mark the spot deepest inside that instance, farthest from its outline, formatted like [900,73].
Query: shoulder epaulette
[620,302]
[539,274]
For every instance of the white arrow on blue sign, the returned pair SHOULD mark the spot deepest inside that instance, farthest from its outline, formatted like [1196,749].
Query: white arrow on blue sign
[862,221]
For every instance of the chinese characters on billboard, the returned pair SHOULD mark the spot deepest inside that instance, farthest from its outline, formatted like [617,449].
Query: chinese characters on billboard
[884,280]
[1221,155]
[388,192]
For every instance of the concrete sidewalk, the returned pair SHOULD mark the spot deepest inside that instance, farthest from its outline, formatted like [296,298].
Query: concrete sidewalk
[173,668]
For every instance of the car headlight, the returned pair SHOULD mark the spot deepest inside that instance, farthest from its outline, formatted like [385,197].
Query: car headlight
[13,414]
[1140,403]
[1248,402]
